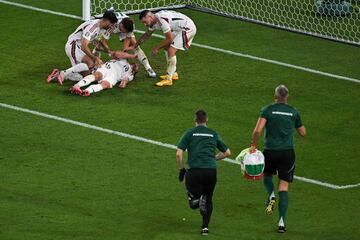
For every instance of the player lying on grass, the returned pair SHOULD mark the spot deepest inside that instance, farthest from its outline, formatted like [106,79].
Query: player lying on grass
[124,29]
[77,49]
[179,31]
[108,75]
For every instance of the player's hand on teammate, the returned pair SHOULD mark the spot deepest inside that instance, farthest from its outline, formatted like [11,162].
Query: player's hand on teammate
[182,173]
[98,62]
[129,48]
[116,54]
[112,54]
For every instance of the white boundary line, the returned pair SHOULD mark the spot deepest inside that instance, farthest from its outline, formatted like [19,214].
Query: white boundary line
[165,144]
[40,9]
[146,140]
[305,69]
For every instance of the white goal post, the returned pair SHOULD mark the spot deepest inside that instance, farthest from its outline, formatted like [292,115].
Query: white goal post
[337,20]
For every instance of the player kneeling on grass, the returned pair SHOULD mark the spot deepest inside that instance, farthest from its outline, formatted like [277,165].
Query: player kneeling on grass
[124,29]
[108,75]
[77,49]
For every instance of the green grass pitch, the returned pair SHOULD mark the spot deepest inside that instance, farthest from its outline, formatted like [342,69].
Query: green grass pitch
[59,181]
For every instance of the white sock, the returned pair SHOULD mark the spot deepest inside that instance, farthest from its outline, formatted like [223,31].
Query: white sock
[142,58]
[166,56]
[171,69]
[74,77]
[272,195]
[86,81]
[81,67]
[94,88]
[281,222]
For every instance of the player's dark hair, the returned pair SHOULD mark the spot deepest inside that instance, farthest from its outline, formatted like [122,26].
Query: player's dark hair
[110,15]
[143,14]
[200,116]
[128,24]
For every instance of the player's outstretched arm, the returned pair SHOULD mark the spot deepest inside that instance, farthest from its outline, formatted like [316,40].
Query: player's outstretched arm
[85,48]
[105,45]
[143,38]
[128,44]
[122,55]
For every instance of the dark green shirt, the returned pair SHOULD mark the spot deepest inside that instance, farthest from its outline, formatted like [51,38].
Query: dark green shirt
[281,120]
[201,143]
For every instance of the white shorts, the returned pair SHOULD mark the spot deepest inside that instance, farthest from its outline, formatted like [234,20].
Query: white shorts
[74,52]
[183,39]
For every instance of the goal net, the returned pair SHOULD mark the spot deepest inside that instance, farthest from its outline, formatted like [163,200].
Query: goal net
[134,6]
[332,19]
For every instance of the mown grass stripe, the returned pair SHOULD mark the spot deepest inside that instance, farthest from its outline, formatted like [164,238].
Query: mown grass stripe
[150,141]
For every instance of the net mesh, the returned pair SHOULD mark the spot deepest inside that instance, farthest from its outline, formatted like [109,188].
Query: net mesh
[333,19]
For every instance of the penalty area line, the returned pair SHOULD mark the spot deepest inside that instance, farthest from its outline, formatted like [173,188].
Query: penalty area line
[229,52]
[150,141]
[40,9]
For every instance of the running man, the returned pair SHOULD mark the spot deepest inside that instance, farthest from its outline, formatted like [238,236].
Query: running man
[108,75]
[82,59]
[124,29]
[279,120]
[201,143]
[179,31]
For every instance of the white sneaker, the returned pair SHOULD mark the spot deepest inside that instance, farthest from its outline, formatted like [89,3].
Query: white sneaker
[204,231]
[151,73]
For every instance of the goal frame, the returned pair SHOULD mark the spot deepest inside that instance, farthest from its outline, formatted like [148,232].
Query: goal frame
[86,15]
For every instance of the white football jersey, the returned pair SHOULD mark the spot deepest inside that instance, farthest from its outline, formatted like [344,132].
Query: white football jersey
[172,21]
[121,68]
[89,30]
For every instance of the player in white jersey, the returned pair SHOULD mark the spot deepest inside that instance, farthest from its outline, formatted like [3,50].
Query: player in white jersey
[179,31]
[77,48]
[108,75]
[124,29]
